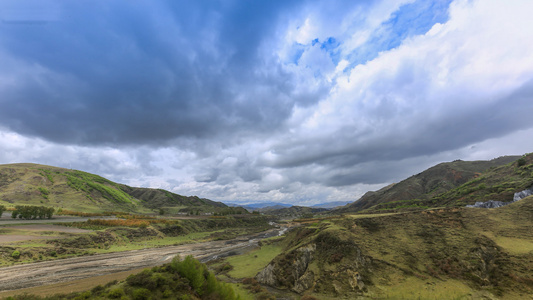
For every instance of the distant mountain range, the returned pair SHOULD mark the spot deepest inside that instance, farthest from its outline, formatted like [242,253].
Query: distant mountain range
[277,205]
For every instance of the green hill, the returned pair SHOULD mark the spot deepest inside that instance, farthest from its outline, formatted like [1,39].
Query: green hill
[497,183]
[293,211]
[33,184]
[452,253]
[426,185]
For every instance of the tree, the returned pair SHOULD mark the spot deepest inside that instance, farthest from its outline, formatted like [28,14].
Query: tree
[2,209]
[32,212]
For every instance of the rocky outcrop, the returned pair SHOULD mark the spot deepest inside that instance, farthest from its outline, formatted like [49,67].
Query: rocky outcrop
[331,264]
[305,282]
[495,204]
[521,195]
[290,271]
[267,275]
[489,204]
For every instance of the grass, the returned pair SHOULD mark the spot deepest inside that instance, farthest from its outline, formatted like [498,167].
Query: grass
[414,288]
[249,264]
[364,216]
[446,253]
[32,184]
[195,237]
[243,293]
[515,246]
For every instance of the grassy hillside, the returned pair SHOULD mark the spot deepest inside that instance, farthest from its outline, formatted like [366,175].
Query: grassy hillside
[497,183]
[452,253]
[427,184]
[32,184]
[293,211]
[158,198]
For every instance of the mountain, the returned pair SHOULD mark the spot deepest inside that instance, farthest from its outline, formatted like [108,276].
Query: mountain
[331,204]
[158,198]
[33,184]
[496,184]
[293,211]
[255,206]
[428,184]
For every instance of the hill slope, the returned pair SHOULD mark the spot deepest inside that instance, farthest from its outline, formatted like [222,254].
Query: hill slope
[429,183]
[33,184]
[498,184]
[454,253]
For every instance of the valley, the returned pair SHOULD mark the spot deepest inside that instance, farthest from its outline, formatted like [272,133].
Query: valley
[420,238]
[69,269]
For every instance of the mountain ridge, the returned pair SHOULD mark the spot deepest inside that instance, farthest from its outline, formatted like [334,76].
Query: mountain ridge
[429,183]
[36,184]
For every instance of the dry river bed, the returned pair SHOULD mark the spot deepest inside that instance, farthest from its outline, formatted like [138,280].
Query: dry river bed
[62,270]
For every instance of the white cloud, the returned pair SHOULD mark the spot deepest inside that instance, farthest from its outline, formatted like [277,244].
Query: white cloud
[443,95]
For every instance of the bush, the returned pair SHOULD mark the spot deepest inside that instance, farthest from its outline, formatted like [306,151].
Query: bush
[141,294]
[115,293]
[521,161]
[15,254]
[32,212]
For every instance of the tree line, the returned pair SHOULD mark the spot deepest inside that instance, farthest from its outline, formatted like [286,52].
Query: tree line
[32,212]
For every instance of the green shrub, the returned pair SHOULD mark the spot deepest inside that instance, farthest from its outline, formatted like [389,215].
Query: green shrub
[141,294]
[15,254]
[191,269]
[115,293]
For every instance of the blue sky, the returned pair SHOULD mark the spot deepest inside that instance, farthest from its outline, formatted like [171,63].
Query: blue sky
[298,102]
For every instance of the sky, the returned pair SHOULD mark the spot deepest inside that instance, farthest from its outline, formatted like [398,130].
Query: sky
[299,102]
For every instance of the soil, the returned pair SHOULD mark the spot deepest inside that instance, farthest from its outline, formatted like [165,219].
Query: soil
[57,271]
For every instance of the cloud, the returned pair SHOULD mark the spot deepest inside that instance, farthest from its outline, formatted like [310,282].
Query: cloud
[144,73]
[458,84]
[295,102]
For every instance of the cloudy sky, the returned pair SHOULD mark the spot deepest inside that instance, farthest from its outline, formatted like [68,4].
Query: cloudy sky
[299,102]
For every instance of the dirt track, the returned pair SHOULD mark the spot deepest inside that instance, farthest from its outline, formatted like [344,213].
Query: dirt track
[45,273]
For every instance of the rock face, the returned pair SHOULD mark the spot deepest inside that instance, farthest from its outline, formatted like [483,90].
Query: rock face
[489,204]
[292,272]
[521,195]
[330,264]
[495,204]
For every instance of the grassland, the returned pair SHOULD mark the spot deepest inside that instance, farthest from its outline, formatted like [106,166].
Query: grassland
[451,253]
[249,264]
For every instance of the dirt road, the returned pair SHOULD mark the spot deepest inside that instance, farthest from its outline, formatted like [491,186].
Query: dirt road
[45,273]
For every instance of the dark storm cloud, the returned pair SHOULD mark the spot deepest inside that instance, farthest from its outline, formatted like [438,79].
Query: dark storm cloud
[116,72]
[302,101]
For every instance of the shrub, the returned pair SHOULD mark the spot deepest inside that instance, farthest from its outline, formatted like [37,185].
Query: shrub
[521,161]
[191,269]
[141,294]
[15,254]
[97,290]
[116,293]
